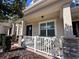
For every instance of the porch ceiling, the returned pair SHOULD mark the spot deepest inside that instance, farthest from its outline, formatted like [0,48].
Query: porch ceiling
[50,16]
[50,11]
[39,5]
[43,4]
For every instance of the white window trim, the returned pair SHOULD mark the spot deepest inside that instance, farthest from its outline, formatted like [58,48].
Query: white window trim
[49,21]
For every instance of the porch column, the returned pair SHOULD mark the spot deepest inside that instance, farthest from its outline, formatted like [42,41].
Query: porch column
[21,33]
[67,20]
[17,29]
[23,27]
[13,29]
[22,23]
[8,31]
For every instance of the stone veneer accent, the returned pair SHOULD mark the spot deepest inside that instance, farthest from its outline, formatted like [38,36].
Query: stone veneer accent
[71,48]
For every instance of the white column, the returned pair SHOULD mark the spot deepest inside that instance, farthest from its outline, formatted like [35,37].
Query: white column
[8,31]
[67,20]
[13,29]
[19,41]
[35,43]
[17,29]
[23,28]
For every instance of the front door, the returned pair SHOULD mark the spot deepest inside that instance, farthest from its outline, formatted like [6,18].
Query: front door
[10,31]
[29,30]
[76,28]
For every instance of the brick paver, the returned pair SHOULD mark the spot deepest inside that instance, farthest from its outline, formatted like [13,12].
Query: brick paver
[20,54]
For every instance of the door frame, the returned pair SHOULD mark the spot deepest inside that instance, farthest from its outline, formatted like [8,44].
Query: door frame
[75,21]
[26,29]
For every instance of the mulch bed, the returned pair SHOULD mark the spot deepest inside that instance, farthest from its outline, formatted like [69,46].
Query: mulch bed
[20,53]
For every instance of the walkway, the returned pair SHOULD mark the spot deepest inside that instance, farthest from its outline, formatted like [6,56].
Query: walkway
[20,53]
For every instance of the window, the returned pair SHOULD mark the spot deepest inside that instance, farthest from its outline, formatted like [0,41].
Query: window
[75,3]
[47,29]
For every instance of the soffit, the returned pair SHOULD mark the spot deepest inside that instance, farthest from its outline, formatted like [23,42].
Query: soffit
[41,5]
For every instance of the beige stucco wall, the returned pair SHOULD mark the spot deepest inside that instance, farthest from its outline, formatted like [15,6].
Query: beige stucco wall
[58,29]
[35,29]
[3,29]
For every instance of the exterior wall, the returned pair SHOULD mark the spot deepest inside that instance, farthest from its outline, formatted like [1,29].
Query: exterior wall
[35,29]
[3,29]
[4,26]
[58,29]
[6,30]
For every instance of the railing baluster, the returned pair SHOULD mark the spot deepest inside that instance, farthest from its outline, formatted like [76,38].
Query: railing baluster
[35,43]
[41,43]
[44,45]
[49,45]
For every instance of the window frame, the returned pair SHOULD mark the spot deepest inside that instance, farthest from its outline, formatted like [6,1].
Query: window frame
[75,3]
[46,26]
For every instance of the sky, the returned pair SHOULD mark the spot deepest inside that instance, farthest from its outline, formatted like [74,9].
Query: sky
[28,2]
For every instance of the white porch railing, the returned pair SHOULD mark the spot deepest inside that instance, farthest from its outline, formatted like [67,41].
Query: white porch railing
[49,45]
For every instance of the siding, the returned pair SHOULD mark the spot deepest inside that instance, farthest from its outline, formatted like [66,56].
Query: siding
[3,30]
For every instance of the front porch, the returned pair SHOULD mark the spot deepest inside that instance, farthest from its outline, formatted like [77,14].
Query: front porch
[43,32]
